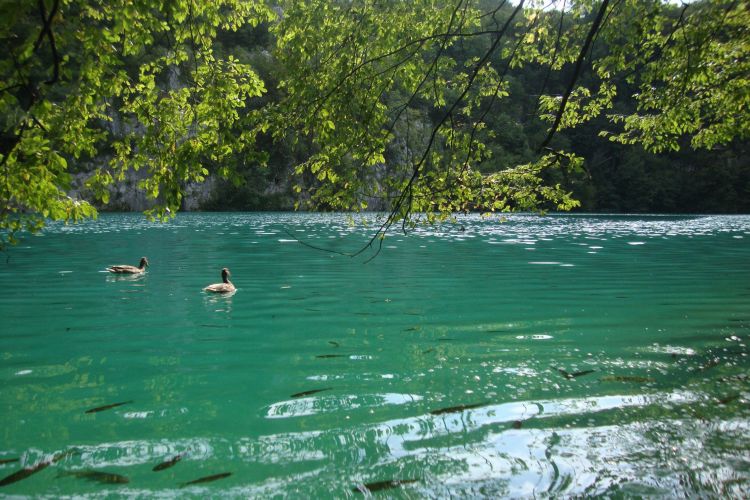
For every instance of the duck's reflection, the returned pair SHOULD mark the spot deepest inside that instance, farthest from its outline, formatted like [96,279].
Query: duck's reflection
[119,278]
[220,302]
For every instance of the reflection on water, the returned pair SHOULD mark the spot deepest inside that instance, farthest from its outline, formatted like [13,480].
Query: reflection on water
[484,451]
[329,404]
[538,357]
[219,302]
[133,278]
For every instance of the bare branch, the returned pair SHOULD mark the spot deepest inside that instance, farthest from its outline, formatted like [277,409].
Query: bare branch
[577,72]
[47,30]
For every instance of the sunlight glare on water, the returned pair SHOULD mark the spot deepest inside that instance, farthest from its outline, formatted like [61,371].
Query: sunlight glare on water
[536,356]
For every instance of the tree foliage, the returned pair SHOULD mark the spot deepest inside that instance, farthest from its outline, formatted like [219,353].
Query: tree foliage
[685,68]
[72,68]
[395,105]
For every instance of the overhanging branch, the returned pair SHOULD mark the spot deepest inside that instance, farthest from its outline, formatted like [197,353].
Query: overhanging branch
[577,72]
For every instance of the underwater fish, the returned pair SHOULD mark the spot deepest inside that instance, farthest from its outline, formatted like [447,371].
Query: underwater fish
[168,463]
[65,454]
[729,399]
[517,424]
[709,364]
[8,460]
[307,393]
[95,475]
[627,378]
[413,329]
[332,356]
[334,343]
[569,375]
[107,407]
[453,409]
[428,351]
[445,339]
[23,473]
[207,479]
[382,485]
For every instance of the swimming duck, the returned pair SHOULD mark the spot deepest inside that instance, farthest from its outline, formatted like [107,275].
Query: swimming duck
[224,287]
[125,269]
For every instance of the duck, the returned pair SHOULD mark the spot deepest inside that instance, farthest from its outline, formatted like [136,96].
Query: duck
[126,269]
[225,287]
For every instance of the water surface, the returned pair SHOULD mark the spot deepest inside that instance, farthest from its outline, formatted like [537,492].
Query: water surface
[539,356]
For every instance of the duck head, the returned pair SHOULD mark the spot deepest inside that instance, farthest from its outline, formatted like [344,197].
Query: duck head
[225,275]
[144,263]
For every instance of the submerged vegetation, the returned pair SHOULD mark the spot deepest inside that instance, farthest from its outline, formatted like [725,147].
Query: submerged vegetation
[408,107]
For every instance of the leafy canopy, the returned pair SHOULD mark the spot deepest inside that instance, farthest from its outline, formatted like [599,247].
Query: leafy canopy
[395,96]
[138,83]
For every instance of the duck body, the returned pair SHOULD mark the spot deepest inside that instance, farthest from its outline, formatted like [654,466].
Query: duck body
[126,269]
[225,286]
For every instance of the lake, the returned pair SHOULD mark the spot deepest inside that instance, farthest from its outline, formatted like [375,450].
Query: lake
[535,356]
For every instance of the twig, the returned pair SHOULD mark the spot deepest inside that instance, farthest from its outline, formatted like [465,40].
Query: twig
[577,72]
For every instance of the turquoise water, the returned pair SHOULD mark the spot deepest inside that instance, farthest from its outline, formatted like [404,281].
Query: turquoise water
[441,363]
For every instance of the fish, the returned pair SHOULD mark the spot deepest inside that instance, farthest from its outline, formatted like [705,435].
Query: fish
[168,463]
[8,460]
[709,364]
[428,351]
[334,343]
[107,407]
[207,479]
[332,356]
[382,485]
[65,454]
[569,375]
[307,393]
[517,424]
[445,339]
[627,378]
[729,399]
[23,473]
[98,476]
[453,409]
[412,329]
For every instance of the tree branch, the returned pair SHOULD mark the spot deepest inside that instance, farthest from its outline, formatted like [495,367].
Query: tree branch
[407,191]
[577,72]
[47,30]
